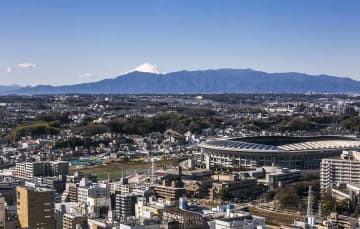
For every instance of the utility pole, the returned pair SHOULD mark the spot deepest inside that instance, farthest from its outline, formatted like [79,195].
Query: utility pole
[309,213]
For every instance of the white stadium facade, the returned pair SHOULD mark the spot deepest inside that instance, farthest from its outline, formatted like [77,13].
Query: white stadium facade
[290,152]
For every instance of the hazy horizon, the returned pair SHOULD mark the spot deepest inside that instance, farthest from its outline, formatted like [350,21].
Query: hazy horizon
[164,73]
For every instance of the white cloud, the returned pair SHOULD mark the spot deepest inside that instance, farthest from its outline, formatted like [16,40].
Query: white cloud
[26,65]
[8,69]
[86,75]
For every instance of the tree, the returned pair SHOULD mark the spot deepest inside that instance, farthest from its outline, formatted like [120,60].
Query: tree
[269,195]
[224,194]
[288,198]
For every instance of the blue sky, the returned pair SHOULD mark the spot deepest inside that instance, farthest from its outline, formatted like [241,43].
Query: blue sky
[72,41]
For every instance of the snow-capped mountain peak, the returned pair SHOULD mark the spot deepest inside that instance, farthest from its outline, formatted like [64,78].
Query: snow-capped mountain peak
[147,67]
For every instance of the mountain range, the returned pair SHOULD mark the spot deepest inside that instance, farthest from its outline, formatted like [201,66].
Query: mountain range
[9,88]
[204,81]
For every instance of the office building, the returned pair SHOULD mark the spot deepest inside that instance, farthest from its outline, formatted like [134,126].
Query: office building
[35,207]
[276,177]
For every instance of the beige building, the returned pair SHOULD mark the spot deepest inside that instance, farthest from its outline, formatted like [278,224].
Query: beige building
[2,212]
[237,188]
[196,188]
[73,221]
[170,192]
[35,207]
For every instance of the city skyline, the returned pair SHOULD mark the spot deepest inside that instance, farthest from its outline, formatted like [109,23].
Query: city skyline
[181,114]
[67,42]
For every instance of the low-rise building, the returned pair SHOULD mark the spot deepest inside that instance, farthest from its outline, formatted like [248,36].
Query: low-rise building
[276,177]
[170,192]
[242,189]
[74,221]
[235,220]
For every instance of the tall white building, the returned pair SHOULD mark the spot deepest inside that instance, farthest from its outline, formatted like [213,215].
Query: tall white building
[93,195]
[335,172]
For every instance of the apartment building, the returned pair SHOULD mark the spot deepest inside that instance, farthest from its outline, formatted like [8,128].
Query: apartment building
[170,191]
[95,190]
[125,205]
[96,196]
[74,221]
[335,172]
[29,170]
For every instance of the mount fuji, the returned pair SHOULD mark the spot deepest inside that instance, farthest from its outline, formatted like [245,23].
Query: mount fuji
[147,67]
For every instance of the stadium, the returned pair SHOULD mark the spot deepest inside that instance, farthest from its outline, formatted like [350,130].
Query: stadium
[283,151]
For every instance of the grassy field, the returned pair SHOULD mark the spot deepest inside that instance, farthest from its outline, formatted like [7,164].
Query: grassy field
[116,169]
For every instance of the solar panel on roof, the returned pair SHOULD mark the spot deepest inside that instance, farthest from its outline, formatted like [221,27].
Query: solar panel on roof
[253,146]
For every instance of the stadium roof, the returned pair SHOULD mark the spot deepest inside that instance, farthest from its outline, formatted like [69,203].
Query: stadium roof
[309,143]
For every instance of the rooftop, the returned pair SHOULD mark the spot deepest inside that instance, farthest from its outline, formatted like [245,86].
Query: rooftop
[283,143]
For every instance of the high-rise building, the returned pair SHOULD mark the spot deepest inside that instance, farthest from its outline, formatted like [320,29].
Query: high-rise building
[96,196]
[73,192]
[338,171]
[125,205]
[2,212]
[35,207]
